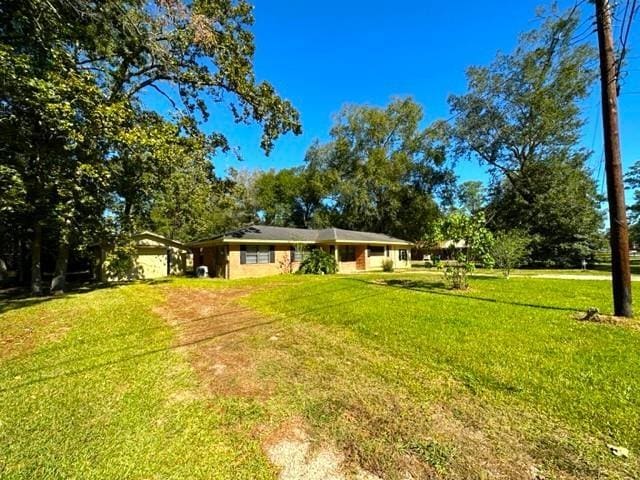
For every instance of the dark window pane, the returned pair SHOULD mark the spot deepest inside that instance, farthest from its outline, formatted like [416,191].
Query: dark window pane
[257,253]
[264,254]
[298,255]
[347,253]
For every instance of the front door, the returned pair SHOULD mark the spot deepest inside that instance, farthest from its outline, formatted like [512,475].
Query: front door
[221,262]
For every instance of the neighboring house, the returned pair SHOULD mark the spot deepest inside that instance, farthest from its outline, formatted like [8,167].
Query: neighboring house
[264,250]
[448,249]
[156,256]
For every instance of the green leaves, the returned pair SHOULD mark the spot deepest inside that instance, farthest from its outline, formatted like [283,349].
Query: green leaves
[526,105]
[385,170]
[13,194]
[79,146]
[560,214]
[318,262]
[510,250]
[460,227]
[522,118]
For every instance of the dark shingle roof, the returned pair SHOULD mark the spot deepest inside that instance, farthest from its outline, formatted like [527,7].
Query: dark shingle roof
[341,235]
[284,234]
[267,232]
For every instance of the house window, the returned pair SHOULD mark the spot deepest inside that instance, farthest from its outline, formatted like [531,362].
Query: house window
[347,253]
[298,254]
[376,251]
[402,255]
[257,254]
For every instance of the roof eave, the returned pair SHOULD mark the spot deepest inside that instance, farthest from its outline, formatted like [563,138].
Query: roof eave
[254,240]
[368,242]
[147,233]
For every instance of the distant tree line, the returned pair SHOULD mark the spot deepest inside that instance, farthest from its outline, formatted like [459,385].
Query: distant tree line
[521,117]
[85,159]
[380,172]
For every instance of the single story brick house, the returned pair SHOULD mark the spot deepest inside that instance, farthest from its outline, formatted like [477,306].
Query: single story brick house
[260,250]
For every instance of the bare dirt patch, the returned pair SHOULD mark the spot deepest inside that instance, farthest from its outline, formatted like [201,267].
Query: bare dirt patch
[593,315]
[216,332]
[212,326]
[292,451]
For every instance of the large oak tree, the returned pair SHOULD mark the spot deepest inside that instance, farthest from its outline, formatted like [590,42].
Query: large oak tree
[75,75]
[522,118]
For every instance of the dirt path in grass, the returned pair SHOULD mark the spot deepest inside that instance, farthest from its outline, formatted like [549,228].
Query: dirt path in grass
[215,329]
[212,326]
[388,427]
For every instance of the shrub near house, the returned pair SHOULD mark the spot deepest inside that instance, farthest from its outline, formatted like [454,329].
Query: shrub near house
[319,262]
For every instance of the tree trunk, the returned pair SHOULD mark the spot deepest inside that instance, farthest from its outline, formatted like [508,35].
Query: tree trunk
[128,207]
[36,267]
[22,260]
[60,274]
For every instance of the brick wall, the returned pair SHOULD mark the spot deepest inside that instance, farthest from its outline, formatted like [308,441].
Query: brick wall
[361,259]
[238,270]
[283,254]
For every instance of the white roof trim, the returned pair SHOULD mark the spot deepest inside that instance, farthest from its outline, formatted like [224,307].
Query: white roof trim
[147,233]
[360,242]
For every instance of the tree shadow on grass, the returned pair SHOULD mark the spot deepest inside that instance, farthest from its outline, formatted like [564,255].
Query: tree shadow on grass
[439,288]
[232,325]
[232,328]
[17,298]
[220,317]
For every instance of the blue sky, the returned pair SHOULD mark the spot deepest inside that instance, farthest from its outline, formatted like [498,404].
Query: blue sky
[324,54]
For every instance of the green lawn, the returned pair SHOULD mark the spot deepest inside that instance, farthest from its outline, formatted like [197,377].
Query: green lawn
[601,267]
[400,374]
[98,397]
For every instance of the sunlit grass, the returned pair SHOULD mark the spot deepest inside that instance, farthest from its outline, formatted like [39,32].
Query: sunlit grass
[109,398]
[514,346]
[397,371]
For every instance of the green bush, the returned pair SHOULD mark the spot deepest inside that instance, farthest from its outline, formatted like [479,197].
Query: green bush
[455,274]
[318,262]
[510,250]
[120,263]
[387,265]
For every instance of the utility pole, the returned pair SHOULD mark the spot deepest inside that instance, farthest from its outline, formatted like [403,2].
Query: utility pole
[620,266]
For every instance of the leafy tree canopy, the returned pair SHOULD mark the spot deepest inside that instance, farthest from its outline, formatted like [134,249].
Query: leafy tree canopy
[632,179]
[76,138]
[384,170]
[510,250]
[562,219]
[472,230]
[471,196]
[522,118]
[525,106]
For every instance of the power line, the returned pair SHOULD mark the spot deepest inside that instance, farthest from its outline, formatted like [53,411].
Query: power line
[631,8]
[600,177]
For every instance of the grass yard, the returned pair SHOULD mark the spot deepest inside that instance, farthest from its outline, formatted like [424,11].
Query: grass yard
[389,375]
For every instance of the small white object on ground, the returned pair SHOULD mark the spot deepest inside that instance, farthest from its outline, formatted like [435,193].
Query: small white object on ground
[619,451]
